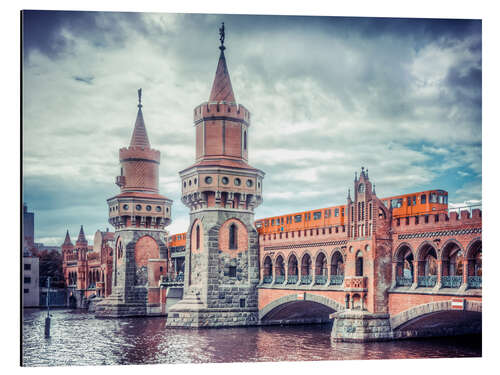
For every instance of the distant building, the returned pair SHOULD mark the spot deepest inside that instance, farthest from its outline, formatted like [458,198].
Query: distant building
[31,287]
[28,228]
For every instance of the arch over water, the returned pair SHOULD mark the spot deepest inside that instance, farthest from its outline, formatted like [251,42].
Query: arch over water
[299,306]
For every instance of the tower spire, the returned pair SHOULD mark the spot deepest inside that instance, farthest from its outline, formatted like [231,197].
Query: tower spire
[67,240]
[81,237]
[222,90]
[139,136]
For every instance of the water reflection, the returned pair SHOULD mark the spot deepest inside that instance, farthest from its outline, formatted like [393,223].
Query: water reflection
[80,339]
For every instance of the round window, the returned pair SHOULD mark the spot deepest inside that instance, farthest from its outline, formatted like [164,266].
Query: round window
[249,183]
[138,207]
[208,180]
[125,207]
[225,180]
[237,181]
[148,208]
[158,208]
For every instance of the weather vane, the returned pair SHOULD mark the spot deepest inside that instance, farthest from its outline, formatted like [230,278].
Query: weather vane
[139,93]
[222,35]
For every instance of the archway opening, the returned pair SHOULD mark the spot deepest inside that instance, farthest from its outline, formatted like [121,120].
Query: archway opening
[305,270]
[292,277]
[279,270]
[475,265]
[427,267]
[268,270]
[321,270]
[337,269]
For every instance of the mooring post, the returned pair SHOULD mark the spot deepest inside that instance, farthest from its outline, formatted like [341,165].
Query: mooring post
[47,319]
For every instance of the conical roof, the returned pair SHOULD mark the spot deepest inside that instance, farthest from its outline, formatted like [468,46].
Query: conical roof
[67,240]
[140,136]
[81,237]
[222,90]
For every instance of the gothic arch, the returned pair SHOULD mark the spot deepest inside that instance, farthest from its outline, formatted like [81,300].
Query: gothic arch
[444,249]
[398,254]
[423,247]
[471,245]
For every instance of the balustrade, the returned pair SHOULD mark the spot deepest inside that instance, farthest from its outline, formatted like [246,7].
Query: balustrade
[306,279]
[280,279]
[427,281]
[268,279]
[451,281]
[320,279]
[336,279]
[474,282]
[404,281]
[292,279]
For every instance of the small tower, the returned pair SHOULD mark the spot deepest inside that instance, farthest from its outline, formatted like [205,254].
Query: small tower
[139,215]
[221,190]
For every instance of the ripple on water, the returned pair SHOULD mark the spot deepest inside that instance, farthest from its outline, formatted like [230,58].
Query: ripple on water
[78,338]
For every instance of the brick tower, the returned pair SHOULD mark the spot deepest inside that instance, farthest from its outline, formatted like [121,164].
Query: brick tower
[139,215]
[221,191]
[368,267]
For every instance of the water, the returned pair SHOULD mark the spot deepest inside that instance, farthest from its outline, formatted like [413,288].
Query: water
[77,338]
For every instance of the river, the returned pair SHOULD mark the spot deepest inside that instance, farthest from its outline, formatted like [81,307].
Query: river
[77,338]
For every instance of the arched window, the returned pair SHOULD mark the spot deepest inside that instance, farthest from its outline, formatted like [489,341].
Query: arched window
[359,264]
[197,237]
[233,237]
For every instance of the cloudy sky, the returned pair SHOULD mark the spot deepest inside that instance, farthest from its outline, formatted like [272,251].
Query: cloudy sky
[401,97]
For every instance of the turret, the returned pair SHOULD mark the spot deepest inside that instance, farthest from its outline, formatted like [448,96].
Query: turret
[139,204]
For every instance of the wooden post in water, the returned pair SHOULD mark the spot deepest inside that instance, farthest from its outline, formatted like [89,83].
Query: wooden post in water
[47,319]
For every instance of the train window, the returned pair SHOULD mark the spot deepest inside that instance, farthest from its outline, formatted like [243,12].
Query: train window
[433,197]
[317,215]
[282,221]
[414,200]
[272,222]
[342,211]
[298,218]
[396,203]
[423,199]
[441,199]
[445,199]
[337,212]
[328,213]
[408,201]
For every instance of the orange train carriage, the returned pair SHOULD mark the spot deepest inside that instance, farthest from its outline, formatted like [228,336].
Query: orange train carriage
[421,203]
[430,201]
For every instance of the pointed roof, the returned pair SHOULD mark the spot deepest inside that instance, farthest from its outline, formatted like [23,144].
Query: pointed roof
[140,136]
[67,240]
[81,237]
[222,90]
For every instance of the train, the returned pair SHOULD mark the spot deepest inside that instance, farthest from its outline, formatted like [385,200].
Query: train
[420,203]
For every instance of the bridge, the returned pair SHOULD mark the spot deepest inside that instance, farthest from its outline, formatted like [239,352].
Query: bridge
[422,277]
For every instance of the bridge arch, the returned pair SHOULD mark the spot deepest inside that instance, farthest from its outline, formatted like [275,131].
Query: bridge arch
[423,314]
[297,305]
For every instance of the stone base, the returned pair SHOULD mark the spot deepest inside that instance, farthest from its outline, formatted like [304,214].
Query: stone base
[361,326]
[192,313]
[109,309]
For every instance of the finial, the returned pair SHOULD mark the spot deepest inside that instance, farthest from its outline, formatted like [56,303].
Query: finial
[222,36]
[139,94]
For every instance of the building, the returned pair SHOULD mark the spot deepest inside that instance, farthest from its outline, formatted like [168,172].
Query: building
[31,263]
[139,215]
[87,269]
[31,282]
[221,190]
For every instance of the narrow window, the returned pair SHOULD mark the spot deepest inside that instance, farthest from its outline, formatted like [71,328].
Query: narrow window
[245,140]
[233,237]
[232,271]
[423,199]
[197,237]
[359,264]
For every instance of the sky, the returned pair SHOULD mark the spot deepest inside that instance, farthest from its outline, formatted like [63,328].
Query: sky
[328,95]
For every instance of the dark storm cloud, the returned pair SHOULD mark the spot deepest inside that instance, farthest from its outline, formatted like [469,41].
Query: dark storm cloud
[43,29]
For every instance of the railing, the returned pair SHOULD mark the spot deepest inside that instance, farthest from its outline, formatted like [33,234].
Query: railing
[451,281]
[474,282]
[427,281]
[404,281]
[320,280]
[292,279]
[305,279]
[336,279]
[179,278]
[280,279]
[355,282]
[267,279]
